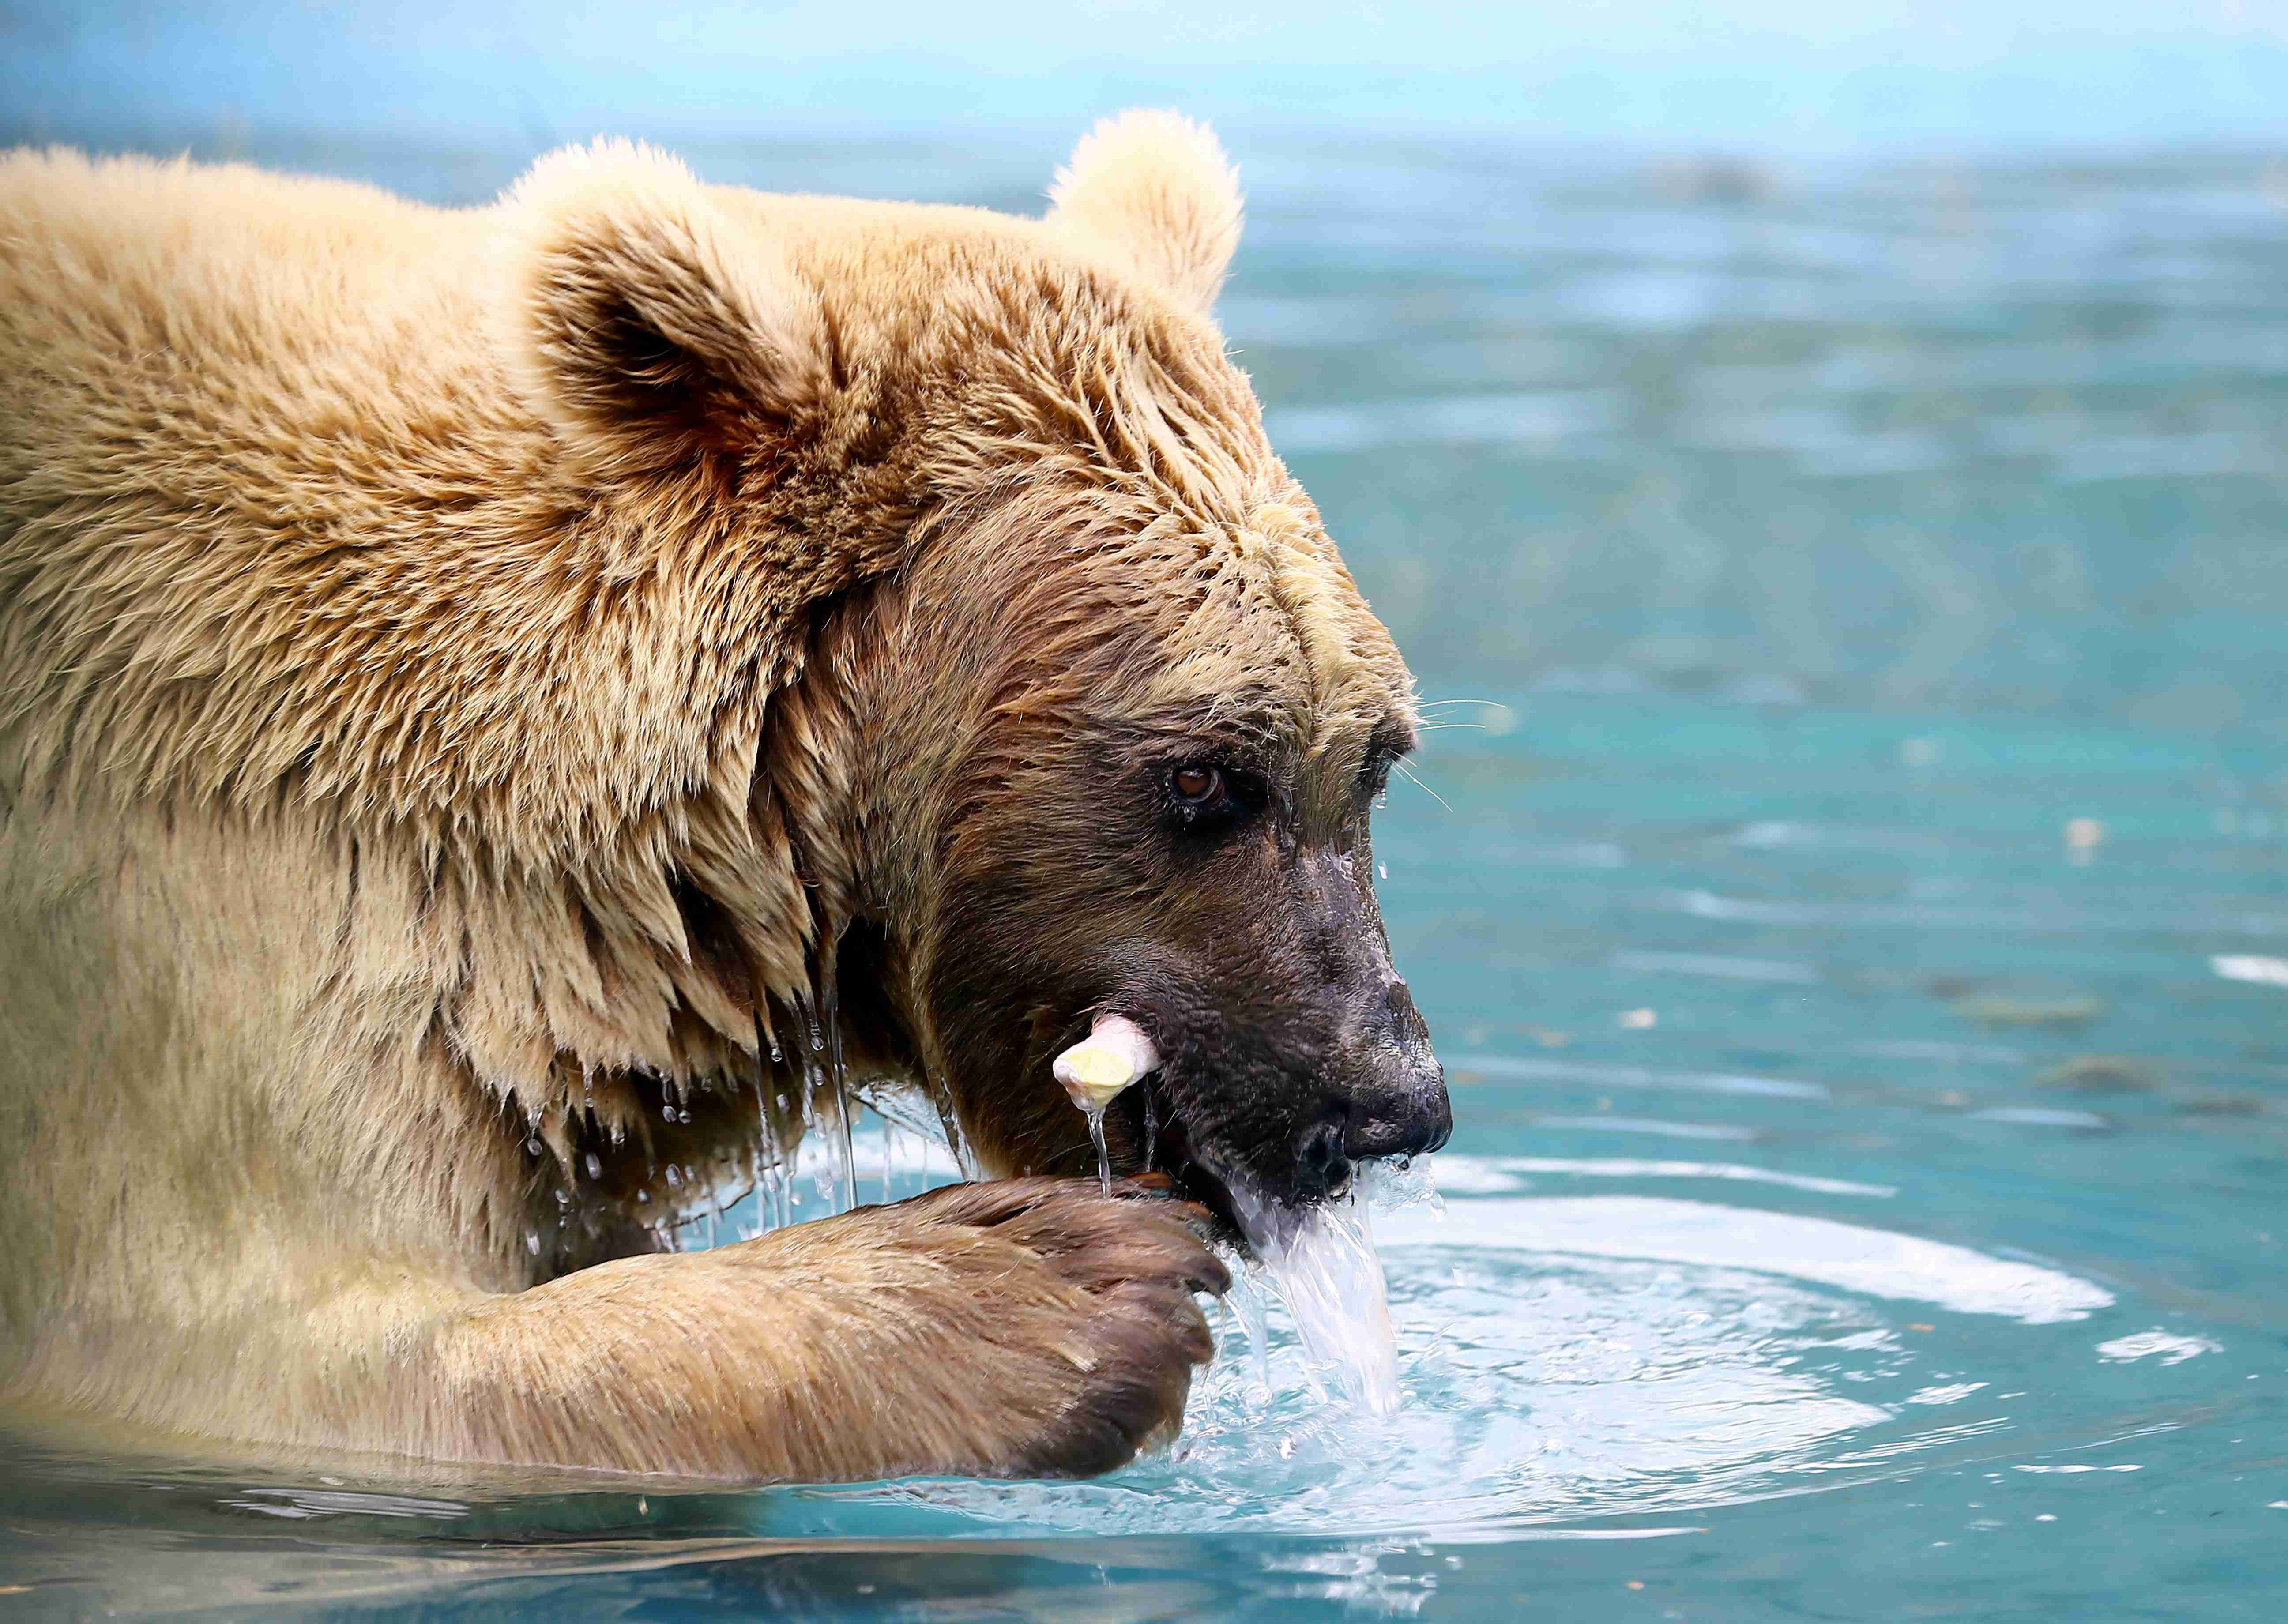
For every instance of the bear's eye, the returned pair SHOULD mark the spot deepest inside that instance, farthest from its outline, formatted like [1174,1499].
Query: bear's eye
[1197,784]
[1204,798]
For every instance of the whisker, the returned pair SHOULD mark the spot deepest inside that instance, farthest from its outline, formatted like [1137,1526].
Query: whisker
[1418,784]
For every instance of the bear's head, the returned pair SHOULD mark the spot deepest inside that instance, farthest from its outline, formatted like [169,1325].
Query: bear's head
[1069,705]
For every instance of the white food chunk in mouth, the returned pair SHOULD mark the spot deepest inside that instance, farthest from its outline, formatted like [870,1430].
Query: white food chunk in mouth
[1115,1052]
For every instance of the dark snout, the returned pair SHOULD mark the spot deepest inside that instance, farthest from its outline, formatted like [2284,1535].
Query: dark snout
[1399,1108]
[1392,1102]
[1290,1052]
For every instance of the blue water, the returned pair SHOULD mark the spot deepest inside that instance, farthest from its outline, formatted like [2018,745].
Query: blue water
[1853,909]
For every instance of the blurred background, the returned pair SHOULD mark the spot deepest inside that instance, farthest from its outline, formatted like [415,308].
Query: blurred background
[1825,465]
[1922,353]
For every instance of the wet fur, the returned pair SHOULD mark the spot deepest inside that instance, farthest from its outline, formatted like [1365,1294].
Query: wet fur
[462,673]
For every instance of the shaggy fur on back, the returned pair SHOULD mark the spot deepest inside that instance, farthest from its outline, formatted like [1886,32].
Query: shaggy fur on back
[463,673]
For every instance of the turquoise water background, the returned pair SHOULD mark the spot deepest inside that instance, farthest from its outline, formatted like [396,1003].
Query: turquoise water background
[1853,910]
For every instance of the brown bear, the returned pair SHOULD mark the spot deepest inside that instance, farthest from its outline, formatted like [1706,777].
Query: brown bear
[478,688]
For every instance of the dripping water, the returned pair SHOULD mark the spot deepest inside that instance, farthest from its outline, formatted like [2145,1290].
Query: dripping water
[1103,1158]
[964,1156]
[827,1098]
[770,1196]
[1245,1300]
[830,1185]
[845,1102]
[816,1091]
[782,1115]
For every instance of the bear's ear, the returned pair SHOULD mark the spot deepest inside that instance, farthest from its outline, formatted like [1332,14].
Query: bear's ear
[645,329]
[1155,191]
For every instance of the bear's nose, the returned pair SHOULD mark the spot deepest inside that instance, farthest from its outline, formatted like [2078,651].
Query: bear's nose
[1411,1122]
[1399,1108]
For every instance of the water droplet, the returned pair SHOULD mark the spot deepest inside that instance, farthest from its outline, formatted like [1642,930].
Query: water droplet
[533,1146]
[532,1242]
[594,1164]
[674,1176]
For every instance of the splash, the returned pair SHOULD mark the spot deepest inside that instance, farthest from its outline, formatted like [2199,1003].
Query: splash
[1320,1261]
